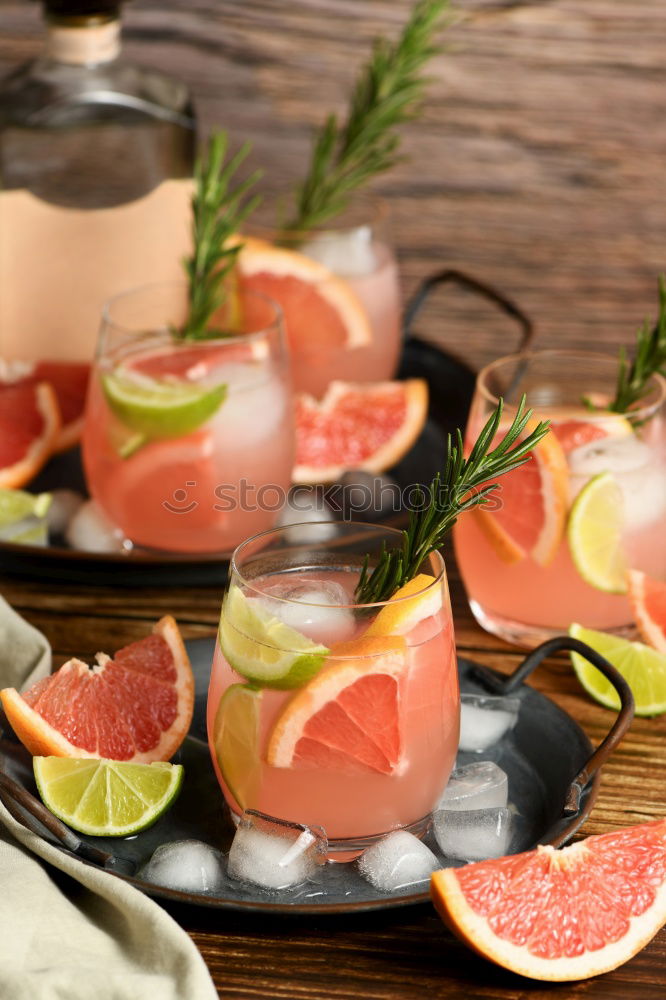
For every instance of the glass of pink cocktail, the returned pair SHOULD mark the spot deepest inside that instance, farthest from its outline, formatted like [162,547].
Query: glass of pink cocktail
[188,444]
[340,295]
[558,539]
[325,712]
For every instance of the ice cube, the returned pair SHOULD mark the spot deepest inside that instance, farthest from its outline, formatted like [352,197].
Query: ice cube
[90,530]
[309,516]
[188,865]
[275,854]
[634,467]
[485,719]
[481,785]
[349,254]
[475,834]
[396,861]
[64,505]
[253,409]
[314,609]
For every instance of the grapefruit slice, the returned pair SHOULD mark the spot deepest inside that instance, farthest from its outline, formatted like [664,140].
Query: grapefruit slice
[69,381]
[321,311]
[574,432]
[561,915]
[137,706]
[348,717]
[412,604]
[357,426]
[29,428]
[531,506]
[648,600]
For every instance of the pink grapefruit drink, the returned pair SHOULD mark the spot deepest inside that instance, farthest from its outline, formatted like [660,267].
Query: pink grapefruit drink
[558,538]
[324,712]
[340,292]
[188,445]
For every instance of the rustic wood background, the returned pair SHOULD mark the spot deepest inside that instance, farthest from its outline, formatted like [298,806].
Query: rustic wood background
[537,164]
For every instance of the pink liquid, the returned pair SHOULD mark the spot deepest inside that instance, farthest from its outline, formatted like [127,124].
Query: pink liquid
[354,805]
[206,490]
[379,294]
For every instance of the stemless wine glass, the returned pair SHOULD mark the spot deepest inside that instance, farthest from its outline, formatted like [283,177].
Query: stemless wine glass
[189,444]
[326,711]
[561,533]
[343,319]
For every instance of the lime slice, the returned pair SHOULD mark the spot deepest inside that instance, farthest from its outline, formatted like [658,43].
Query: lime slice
[23,517]
[643,668]
[236,741]
[594,532]
[106,798]
[161,409]
[262,648]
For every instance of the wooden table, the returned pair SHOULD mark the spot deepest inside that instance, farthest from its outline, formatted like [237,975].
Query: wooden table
[538,165]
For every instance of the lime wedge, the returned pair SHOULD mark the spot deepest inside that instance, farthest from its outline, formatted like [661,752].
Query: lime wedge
[594,533]
[643,668]
[23,517]
[262,648]
[236,741]
[106,798]
[161,409]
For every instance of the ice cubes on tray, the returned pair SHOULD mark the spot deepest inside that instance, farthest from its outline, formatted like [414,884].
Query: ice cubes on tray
[186,865]
[397,861]
[473,834]
[481,785]
[485,720]
[273,853]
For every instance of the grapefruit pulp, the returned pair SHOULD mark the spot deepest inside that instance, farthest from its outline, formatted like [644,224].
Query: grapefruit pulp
[347,717]
[69,382]
[648,600]
[357,426]
[29,428]
[560,915]
[135,707]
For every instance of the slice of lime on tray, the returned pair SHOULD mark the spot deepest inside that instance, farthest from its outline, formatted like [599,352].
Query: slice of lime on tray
[161,409]
[23,516]
[643,668]
[264,650]
[106,798]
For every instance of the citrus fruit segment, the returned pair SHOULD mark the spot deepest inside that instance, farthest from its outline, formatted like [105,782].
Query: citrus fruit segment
[594,533]
[29,426]
[106,798]
[321,311]
[348,717]
[357,426]
[643,668]
[161,409]
[575,432]
[23,516]
[135,707]
[261,648]
[236,740]
[530,506]
[69,381]
[404,611]
[648,600]
[559,915]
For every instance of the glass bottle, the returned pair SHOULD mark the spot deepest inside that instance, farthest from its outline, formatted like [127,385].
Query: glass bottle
[96,161]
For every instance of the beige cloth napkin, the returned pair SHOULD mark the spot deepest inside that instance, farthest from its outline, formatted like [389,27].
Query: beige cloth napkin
[86,933]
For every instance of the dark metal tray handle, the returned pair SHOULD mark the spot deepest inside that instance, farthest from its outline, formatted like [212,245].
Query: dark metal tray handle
[505,684]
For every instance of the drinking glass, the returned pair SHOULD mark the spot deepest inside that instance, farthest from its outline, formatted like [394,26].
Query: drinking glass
[188,445]
[326,711]
[559,535]
[363,286]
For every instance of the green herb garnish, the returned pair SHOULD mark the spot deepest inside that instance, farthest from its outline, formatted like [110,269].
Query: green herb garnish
[218,211]
[463,484]
[649,360]
[345,156]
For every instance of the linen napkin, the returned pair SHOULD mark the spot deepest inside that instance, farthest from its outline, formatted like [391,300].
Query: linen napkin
[69,931]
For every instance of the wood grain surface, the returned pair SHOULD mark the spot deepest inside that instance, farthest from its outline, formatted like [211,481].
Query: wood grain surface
[537,165]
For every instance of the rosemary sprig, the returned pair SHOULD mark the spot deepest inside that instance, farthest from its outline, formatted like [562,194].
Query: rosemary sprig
[650,359]
[345,156]
[218,210]
[463,484]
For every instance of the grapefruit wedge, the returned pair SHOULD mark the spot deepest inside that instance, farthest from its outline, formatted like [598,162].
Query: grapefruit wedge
[366,426]
[135,707]
[561,915]
[320,310]
[29,427]
[648,600]
[69,382]
[348,717]
[531,506]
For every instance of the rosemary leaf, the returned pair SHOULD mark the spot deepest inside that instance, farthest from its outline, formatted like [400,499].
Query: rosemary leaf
[649,359]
